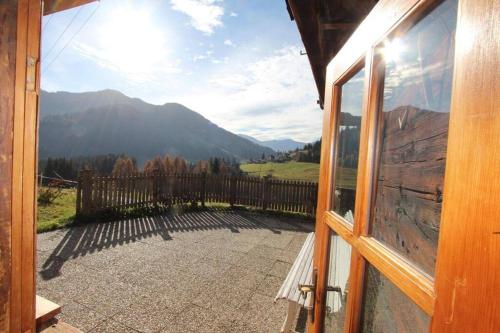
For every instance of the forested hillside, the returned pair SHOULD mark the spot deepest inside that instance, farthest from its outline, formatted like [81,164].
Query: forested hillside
[108,122]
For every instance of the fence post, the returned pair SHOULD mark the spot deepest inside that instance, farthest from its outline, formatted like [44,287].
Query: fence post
[265,191]
[309,198]
[232,190]
[156,187]
[87,206]
[78,195]
[203,188]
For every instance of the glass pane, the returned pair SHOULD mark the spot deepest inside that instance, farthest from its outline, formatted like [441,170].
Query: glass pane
[347,144]
[339,263]
[413,136]
[386,309]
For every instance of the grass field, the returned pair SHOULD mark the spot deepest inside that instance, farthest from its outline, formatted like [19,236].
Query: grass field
[347,178]
[59,213]
[298,171]
[288,170]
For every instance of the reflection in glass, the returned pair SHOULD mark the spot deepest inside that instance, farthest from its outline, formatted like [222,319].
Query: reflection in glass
[338,276]
[413,136]
[347,146]
[388,310]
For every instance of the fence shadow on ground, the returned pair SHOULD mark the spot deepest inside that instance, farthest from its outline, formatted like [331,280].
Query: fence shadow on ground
[86,239]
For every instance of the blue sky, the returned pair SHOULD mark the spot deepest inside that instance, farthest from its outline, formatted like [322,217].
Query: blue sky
[236,62]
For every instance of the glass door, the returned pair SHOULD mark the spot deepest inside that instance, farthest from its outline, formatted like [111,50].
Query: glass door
[383,173]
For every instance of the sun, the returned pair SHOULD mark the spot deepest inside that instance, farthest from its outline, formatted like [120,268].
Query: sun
[132,42]
[393,50]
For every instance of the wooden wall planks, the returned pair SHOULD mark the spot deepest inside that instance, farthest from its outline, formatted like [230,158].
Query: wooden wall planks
[8,31]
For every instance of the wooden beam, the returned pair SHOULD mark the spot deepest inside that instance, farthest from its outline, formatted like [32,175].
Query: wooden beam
[339,26]
[54,6]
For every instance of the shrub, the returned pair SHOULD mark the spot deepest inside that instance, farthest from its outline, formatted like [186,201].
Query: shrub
[48,194]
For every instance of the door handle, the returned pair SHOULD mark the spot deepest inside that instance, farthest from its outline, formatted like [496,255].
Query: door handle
[306,289]
[311,288]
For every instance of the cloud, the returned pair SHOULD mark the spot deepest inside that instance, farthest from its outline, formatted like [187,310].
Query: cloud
[199,57]
[220,61]
[273,97]
[205,56]
[205,15]
[233,14]
[228,42]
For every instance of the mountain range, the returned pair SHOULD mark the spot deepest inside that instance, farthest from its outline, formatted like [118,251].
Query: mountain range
[102,122]
[282,145]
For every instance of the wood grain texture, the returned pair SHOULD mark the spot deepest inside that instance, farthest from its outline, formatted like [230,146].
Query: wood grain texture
[467,275]
[24,166]
[17,172]
[30,166]
[8,30]
[324,197]
[409,184]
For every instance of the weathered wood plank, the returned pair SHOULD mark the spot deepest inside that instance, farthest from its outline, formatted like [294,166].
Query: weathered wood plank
[410,183]
[8,22]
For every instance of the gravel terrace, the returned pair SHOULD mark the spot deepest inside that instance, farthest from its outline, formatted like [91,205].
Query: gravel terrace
[210,271]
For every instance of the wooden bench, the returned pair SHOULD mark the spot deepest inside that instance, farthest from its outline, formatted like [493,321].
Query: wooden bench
[300,273]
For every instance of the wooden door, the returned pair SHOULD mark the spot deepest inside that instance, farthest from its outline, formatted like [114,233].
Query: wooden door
[408,208]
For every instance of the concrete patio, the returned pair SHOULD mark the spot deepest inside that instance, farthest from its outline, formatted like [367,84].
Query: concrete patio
[212,271]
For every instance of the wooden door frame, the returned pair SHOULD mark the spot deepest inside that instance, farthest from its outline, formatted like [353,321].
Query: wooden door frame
[24,167]
[463,232]
[464,286]
[22,300]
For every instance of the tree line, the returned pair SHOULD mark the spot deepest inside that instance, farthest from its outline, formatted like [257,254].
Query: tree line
[177,164]
[68,168]
[112,164]
[348,138]
[310,153]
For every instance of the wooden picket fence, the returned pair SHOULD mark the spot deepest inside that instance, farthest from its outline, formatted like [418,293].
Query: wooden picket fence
[97,193]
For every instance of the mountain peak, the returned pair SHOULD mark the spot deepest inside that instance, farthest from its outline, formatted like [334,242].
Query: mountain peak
[107,121]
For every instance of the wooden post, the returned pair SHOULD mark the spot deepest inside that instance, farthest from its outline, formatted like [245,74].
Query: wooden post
[79,196]
[265,191]
[203,190]
[156,186]
[87,183]
[232,190]
[310,198]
